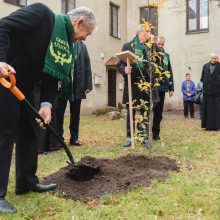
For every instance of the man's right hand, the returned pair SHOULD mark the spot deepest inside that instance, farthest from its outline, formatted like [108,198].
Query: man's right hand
[128,69]
[4,67]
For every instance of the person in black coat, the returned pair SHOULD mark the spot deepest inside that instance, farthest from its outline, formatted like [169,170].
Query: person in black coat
[82,85]
[166,85]
[24,40]
[138,72]
[211,94]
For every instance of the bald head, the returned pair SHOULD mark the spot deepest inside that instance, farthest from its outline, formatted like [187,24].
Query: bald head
[213,58]
[160,41]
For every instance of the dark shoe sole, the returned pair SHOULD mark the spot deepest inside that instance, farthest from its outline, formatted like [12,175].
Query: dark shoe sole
[43,189]
[8,210]
[21,192]
[5,207]
[72,143]
[127,146]
[35,189]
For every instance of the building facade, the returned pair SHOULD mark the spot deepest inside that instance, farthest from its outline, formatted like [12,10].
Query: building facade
[191,29]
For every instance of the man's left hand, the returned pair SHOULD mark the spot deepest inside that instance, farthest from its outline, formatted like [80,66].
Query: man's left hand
[88,91]
[45,113]
[170,93]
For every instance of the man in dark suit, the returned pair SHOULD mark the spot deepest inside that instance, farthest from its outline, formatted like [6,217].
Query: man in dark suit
[139,71]
[82,85]
[26,47]
[211,94]
[166,85]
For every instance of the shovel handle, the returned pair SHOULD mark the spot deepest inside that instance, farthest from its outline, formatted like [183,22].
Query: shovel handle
[20,96]
[12,85]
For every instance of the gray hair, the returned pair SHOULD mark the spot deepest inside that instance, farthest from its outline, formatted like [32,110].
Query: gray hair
[139,29]
[86,14]
[160,37]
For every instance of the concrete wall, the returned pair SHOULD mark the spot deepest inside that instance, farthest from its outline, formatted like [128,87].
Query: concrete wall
[133,16]
[102,43]
[99,44]
[190,50]
[185,50]
[6,9]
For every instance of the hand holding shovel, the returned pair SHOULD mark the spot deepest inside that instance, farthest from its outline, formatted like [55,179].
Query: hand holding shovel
[20,96]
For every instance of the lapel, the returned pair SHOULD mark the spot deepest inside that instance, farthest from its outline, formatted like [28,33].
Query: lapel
[132,46]
[216,69]
[207,66]
[79,49]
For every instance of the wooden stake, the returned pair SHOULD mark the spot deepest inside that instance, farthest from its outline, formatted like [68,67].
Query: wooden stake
[130,105]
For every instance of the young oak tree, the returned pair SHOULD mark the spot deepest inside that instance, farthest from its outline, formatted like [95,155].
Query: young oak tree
[156,74]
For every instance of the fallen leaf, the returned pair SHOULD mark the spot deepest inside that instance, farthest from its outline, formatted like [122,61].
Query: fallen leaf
[161,213]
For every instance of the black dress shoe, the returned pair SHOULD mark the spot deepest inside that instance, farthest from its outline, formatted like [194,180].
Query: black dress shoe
[156,137]
[5,207]
[43,188]
[37,188]
[75,143]
[21,191]
[147,144]
[127,143]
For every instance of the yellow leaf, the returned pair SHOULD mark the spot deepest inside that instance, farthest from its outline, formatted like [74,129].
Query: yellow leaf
[159,4]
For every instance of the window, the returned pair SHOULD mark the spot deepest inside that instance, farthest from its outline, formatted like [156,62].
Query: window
[67,5]
[197,16]
[17,2]
[114,10]
[150,15]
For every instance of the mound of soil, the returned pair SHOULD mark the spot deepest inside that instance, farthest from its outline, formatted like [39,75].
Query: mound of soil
[92,177]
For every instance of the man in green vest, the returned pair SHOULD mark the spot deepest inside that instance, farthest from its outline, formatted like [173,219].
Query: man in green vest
[166,85]
[37,44]
[138,71]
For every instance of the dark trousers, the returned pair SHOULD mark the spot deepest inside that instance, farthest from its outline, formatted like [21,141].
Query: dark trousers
[143,128]
[188,105]
[158,114]
[26,154]
[74,117]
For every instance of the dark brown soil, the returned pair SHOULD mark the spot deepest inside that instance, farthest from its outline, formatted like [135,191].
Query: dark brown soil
[92,177]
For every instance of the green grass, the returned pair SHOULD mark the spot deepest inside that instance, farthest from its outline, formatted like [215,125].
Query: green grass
[192,193]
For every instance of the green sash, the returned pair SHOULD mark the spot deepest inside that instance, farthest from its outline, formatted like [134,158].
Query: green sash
[59,56]
[65,89]
[165,61]
[138,50]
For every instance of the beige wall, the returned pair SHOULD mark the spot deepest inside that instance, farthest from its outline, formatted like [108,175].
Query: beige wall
[99,43]
[133,16]
[6,9]
[187,50]
[102,43]
[54,5]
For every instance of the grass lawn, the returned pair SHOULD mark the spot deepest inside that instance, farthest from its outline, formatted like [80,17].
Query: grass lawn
[193,193]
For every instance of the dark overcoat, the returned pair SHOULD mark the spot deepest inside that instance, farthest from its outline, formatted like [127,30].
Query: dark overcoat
[82,73]
[167,84]
[211,82]
[211,97]
[24,39]
[136,76]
